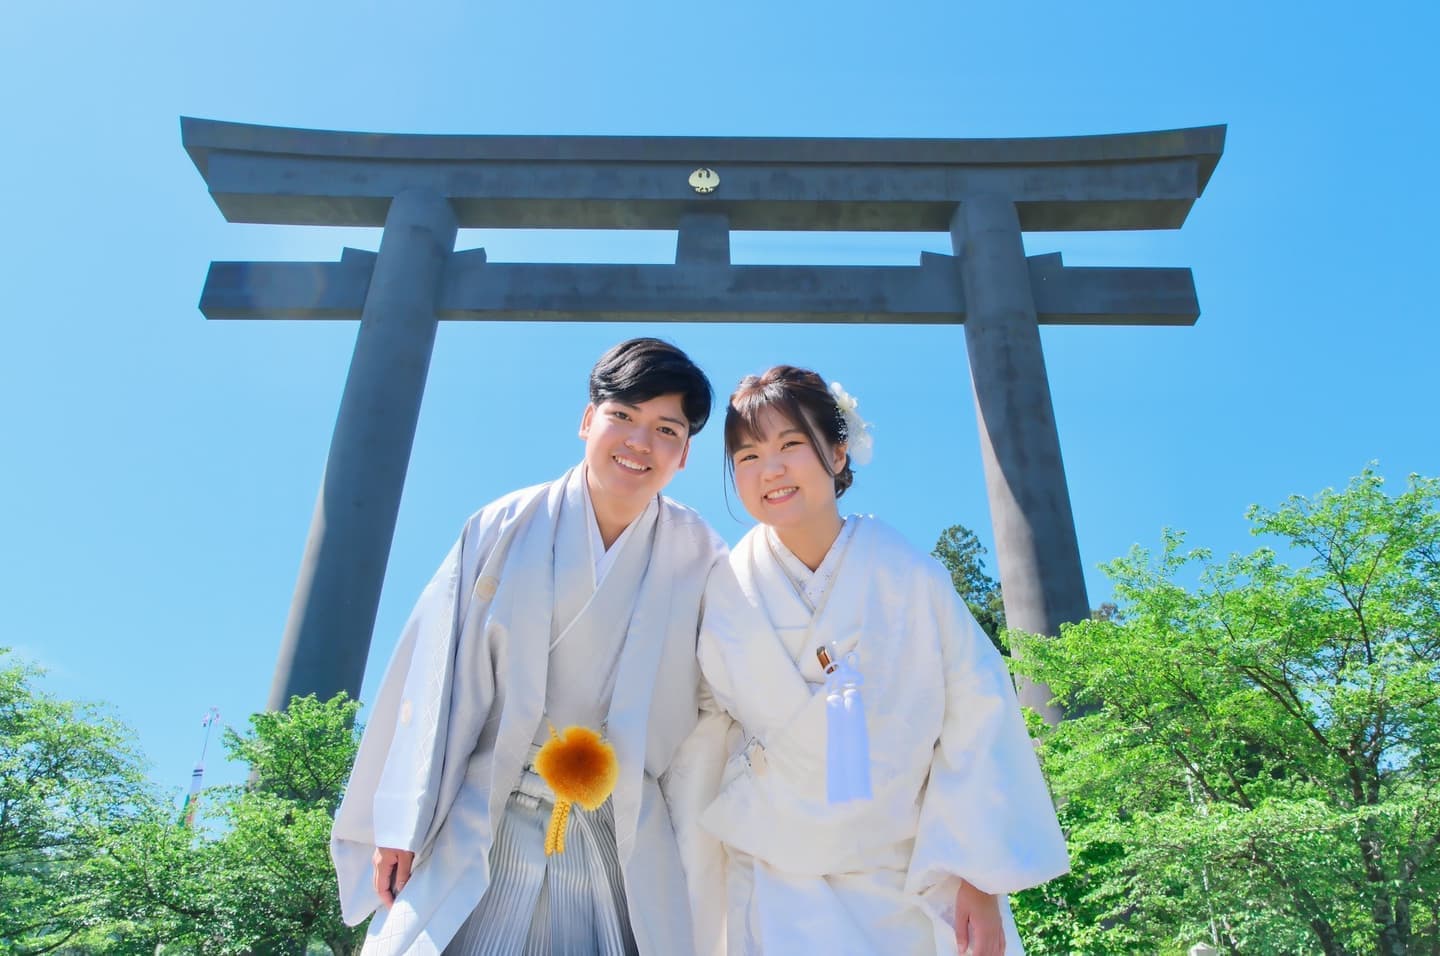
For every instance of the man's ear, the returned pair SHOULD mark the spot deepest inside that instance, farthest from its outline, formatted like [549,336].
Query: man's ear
[684,455]
[586,419]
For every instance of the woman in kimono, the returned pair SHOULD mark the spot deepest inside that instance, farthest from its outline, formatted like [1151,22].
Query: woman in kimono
[881,794]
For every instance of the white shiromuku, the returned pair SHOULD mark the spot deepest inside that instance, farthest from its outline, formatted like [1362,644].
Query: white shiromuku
[464,698]
[957,788]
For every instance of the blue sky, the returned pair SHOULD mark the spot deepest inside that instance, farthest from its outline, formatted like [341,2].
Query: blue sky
[160,469]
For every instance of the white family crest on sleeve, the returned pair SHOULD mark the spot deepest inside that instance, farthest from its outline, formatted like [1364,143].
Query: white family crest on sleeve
[861,444]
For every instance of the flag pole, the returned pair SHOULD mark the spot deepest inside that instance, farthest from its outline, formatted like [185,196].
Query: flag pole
[197,776]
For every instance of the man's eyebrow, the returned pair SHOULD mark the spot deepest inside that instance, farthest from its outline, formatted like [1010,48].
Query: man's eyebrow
[664,418]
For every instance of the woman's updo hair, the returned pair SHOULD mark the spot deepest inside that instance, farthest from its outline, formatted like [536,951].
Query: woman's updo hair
[800,396]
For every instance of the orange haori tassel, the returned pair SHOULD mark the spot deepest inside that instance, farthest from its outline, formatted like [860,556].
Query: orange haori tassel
[580,767]
[555,833]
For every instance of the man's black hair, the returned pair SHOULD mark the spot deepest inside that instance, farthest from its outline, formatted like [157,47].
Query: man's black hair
[638,370]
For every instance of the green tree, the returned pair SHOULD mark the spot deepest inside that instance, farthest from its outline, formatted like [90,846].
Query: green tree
[162,885]
[277,848]
[68,776]
[262,881]
[964,557]
[1255,760]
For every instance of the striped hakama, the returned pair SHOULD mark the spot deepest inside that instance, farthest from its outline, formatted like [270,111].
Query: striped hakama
[569,904]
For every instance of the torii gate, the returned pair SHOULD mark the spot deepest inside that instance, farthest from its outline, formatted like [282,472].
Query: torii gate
[422,188]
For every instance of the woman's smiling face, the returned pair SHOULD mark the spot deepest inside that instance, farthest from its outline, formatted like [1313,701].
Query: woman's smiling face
[781,477]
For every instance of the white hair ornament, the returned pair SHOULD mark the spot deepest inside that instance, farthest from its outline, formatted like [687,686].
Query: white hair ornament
[860,443]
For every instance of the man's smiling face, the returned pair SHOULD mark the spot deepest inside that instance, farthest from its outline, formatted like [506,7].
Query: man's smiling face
[632,451]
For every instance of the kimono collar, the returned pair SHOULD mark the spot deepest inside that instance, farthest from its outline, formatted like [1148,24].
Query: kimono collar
[604,558]
[811,585]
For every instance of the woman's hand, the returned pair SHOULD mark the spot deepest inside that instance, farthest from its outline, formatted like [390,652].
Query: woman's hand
[392,872]
[978,930]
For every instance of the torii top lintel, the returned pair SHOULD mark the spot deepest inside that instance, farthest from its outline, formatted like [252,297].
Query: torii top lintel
[267,174]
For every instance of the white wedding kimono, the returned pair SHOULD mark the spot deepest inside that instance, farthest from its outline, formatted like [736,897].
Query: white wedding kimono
[464,697]
[957,788]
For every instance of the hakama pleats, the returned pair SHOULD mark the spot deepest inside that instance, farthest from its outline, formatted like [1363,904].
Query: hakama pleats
[569,904]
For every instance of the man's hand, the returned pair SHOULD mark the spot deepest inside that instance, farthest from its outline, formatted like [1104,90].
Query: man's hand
[392,872]
[978,930]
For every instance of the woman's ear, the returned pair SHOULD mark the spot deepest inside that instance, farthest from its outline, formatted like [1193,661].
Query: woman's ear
[837,457]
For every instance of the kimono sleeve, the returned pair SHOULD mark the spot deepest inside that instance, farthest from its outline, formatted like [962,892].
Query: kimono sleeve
[405,793]
[391,795]
[986,815]
[727,619]
[689,785]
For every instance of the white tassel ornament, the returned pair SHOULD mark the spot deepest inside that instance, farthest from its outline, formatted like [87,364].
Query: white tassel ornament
[847,744]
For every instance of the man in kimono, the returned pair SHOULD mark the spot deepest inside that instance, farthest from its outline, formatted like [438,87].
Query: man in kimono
[574,602]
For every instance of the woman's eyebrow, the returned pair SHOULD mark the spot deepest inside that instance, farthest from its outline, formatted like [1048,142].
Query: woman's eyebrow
[781,434]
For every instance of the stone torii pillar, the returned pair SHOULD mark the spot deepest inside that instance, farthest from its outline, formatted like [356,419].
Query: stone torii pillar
[343,570]
[1041,577]
[421,188]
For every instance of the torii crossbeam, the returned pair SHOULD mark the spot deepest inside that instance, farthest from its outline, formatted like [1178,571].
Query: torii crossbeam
[422,188]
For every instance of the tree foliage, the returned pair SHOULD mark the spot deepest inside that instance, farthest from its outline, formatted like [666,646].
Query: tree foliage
[277,847]
[68,777]
[1256,760]
[93,861]
[265,884]
[964,557]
